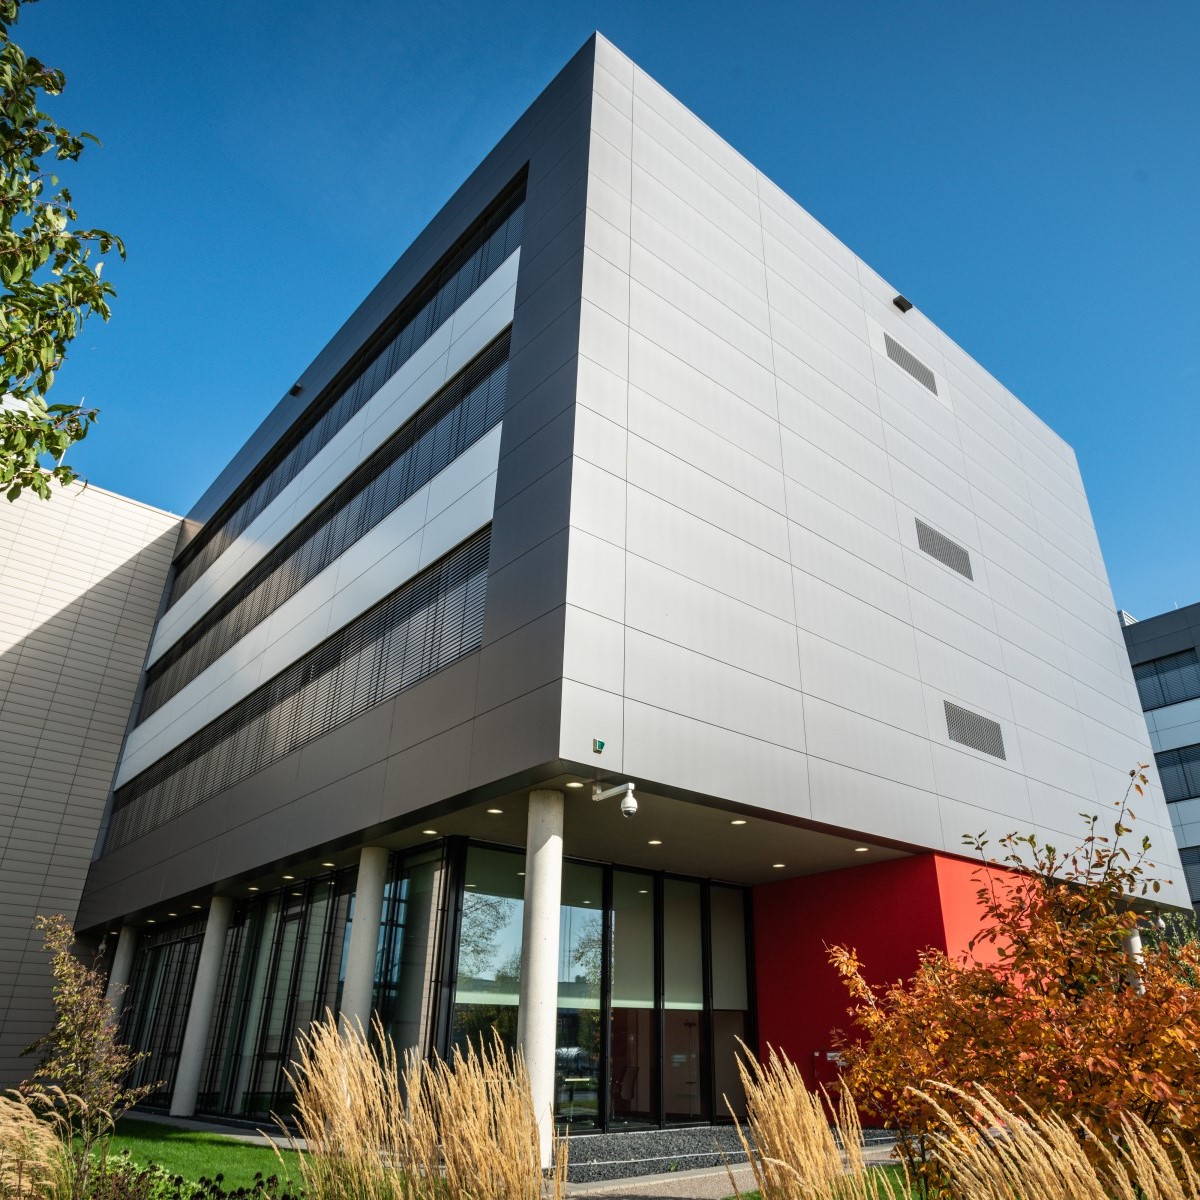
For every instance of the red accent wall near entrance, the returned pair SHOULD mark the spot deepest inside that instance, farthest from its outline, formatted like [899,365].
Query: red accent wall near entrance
[888,912]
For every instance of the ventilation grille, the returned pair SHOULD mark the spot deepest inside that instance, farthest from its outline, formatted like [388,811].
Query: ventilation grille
[970,729]
[910,363]
[939,546]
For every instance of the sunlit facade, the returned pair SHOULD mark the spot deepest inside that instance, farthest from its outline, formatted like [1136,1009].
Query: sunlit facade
[628,472]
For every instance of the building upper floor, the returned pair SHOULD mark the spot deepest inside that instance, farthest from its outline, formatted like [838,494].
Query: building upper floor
[630,467]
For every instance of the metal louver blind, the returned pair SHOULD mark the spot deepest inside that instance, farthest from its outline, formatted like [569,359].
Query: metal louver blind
[971,729]
[1179,771]
[1190,857]
[465,270]
[939,546]
[1168,680]
[448,425]
[909,362]
[426,624]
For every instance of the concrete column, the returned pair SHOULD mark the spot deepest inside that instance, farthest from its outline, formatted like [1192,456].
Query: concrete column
[204,996]
[1133,952]
[359,988]
[122,968]
[537,1015]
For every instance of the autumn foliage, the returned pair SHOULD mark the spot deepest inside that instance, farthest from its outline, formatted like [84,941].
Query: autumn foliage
[1051,1010]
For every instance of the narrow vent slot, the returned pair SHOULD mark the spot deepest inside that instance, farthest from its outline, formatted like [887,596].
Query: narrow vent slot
[909,362]
[939,546]
[970,729]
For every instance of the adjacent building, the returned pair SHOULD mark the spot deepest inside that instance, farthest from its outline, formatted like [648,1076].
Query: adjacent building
[1165,654]
[80,582]
[627,473]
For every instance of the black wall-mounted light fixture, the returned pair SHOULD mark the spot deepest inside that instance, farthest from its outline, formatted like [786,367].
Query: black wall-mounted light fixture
[902,303]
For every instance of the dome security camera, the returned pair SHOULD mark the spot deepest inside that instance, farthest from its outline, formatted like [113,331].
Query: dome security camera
[629,804]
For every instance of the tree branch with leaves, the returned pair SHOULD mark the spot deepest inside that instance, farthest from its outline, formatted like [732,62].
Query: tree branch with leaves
[49,272]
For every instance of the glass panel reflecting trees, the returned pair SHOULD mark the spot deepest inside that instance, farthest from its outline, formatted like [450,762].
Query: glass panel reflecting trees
[672,988]
[633,1088]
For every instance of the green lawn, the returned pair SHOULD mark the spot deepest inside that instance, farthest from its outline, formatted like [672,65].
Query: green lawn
[192,1154]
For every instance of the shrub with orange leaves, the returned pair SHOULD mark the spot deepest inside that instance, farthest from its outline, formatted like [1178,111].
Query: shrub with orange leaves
[1048,1008]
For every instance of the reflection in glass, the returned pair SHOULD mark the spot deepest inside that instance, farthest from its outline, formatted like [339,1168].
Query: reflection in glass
[489,948]
[730,999]
[683,1000]
[580,952]
[633,1050]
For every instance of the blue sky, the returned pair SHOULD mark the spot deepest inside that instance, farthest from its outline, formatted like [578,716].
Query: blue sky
[1027,174]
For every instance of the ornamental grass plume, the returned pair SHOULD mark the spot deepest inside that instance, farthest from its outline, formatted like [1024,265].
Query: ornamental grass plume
[31,1160]
[805,1146]
[376,1129]
[997,1154]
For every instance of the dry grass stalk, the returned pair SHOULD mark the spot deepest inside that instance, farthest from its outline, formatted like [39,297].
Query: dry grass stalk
[463,1130]
[805,1146]
[31,1162]
[995,1154]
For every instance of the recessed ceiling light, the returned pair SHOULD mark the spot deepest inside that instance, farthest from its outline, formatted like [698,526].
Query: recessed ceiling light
[778,866]
[297,893]
[289,877]
[429,832]
[654,842]
[574,783]
[329,864]
[172,914]
[738,821]
[520,872]
[587,902]
[472,885]
[197,905]
[495,812]
[252,889]
[151,921]
[643,891]
[861,849]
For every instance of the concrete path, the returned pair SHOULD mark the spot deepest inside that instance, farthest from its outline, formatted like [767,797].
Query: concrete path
[704,1183]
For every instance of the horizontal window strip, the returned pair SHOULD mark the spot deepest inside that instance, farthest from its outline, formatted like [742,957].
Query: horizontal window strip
[462,275]
[1179,771]
[426,624]
[1169,680]
[453,421]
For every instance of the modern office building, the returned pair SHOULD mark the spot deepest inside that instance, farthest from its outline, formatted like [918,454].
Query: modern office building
[1165,654]
[628,472]
[80,583]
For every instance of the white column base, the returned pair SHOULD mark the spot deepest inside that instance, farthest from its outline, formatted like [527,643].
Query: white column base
[199,1019]
[358,991]
[537,1015]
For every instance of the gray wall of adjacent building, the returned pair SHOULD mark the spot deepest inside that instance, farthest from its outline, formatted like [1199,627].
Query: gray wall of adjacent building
[1174,727]
[81,577]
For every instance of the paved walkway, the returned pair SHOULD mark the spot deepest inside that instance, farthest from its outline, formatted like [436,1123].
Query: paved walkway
[703,1183]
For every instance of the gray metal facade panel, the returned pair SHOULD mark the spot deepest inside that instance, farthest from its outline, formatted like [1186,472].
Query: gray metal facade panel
[462,714]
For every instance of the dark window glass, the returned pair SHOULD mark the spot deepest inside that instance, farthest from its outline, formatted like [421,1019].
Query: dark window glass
[1179,771]
[684,1028]
[1168,680]
[408,329]
[389,477]
[345,675]
[634,1018]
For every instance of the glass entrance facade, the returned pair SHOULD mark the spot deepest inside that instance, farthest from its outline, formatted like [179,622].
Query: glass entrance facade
[652,988]
[652,983]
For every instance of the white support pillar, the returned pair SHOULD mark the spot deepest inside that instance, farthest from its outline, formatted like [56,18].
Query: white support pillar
[359,988]
[1133,952]
[122,968]
[199,1018]
[537,1015]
